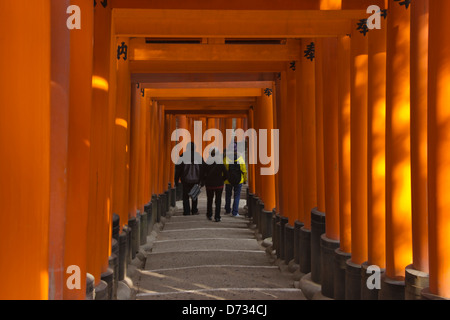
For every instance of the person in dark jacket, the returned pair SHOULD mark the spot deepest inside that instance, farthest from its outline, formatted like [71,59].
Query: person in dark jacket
[214,177]
[189,171]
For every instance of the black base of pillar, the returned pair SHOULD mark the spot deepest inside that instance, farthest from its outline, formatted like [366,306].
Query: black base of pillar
[108,277]
[317,229]
[167,199]
[113,263]
[134,232]
[149,217]
[391,289]
[173,197]
[115,226]
[276,234]
[328,246]
[340,266]
[123,254]
[305,250]
[366,292]
[352,281]
[415,282]
[288,243]
[266,224]
[297,226]
[427,295]
[260,208]
[90,290]
[126,229]
[255,208]
[144,229]
[158,209]
[101,291]
[250,205]
[282,238]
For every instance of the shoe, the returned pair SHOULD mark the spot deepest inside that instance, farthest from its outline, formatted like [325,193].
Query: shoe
[209,217]
[217,219]
[236,215]
[195,213]
[227,212]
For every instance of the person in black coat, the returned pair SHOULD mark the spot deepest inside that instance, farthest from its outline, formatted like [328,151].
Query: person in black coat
[214,176]
[189,170]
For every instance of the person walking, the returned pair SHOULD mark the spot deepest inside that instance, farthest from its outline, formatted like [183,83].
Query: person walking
[236,176]
[189,171]
[214,177]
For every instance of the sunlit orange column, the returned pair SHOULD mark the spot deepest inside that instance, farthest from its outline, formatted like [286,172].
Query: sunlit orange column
[343,253]
[143,123]
[135,110]
[60,78]
[376,154]
[398,162]
[419,103]
[154,147]
[358,160]
[79,148]
[102,126]
[121,133]
[320,178]
[330,137]
[438,148]
[25,142]
[266,172]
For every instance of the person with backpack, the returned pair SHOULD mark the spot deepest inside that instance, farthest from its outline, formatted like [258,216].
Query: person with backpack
[214,177]
[236,176]
[189,171]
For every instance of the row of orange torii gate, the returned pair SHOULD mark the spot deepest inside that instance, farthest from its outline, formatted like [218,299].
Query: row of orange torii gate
[364,138]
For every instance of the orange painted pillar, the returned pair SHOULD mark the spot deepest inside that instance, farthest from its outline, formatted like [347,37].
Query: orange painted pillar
[228,126]
[358,160]
[266,172]
[134,150]
[79,148]
[330,137]
[25,140]
[376,156]
[251,167]
[154,147]
[102,122]
[142,151]
[160,166]
[320,178]
[121,158]
[149,160]
[438,148]
[419,104]
[60,78]
[300,157]
[376,147]
[398,162]
[308,125]
[345,227]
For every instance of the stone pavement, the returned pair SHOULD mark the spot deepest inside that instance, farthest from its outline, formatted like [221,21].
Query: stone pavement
[195,258]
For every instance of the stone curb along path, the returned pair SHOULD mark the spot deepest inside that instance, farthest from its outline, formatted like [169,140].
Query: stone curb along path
[192,258]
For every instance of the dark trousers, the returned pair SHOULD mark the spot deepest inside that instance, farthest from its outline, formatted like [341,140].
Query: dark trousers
[210,193]
[229,189]
[186,202]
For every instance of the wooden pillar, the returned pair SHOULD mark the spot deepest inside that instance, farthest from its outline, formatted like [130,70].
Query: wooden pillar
[60,78]
[308,125]
[345,233]
[358,123]
[330,137]
[419,104]
[25,140]
[398,162]
[121,134]
[134,150]
[79,148]
[438,148]
[100,192]
[143,123]
[320,178]
[376,147]
[266,179]
[251,167]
